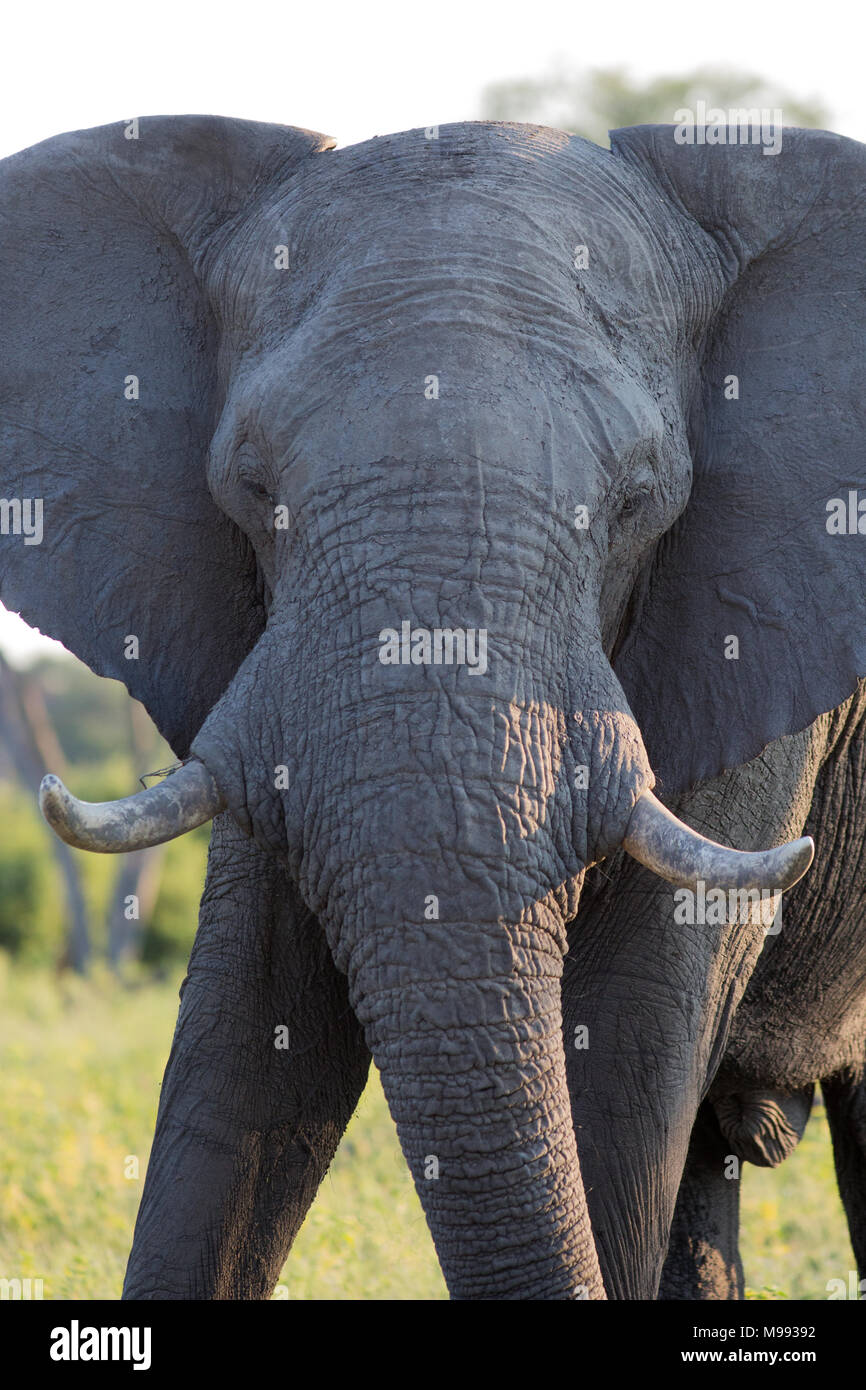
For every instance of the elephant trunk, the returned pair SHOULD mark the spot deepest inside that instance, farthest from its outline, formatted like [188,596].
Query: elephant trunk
[463,1020]
[443,888]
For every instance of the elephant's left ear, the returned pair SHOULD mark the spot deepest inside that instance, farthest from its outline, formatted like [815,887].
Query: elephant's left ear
[110,391]
[752,619]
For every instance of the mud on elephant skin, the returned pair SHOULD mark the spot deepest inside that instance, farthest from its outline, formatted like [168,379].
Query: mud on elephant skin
[396,404]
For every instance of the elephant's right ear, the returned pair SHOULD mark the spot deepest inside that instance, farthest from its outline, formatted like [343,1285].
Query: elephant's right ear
[751,620]
[109,539]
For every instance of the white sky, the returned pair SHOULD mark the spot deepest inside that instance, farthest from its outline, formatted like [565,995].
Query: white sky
[354,70]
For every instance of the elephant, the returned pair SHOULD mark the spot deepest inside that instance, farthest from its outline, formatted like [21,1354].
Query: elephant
[477,513]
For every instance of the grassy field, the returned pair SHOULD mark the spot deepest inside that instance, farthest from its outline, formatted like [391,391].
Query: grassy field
[794,1233]
[81,1064]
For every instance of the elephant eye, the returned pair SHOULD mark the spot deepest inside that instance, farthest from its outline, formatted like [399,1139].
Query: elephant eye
[629,505]
[252,473]
[258,489]
[633,501]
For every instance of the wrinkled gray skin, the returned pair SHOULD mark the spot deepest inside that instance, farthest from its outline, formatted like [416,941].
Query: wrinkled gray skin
[559,385]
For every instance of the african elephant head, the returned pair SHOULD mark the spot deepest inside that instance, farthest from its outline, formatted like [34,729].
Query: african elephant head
[412,488]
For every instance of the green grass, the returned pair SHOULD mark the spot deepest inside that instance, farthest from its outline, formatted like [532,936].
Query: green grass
[365,1236]
[794,1234]
[81,1066]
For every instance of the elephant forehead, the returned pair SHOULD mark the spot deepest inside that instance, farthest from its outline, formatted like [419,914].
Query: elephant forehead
[542,228]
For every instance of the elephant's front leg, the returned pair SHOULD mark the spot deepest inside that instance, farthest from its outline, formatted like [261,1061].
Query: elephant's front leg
[704,1254]
[648,999]
[266,1068]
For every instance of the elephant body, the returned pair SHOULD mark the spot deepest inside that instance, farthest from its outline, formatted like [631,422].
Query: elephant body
[587,412]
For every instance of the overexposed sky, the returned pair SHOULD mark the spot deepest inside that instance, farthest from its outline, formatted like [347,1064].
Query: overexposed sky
[354,70]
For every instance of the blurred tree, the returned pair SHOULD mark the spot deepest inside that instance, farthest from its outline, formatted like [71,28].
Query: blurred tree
[31,890]
[56,715]
[592,103]
[86,711]
[32,745]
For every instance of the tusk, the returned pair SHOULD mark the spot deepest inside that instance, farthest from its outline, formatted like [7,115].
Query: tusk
[186,798]
[671,849]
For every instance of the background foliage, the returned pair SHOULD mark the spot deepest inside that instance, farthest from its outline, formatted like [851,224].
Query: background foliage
[592,103]
[90,720]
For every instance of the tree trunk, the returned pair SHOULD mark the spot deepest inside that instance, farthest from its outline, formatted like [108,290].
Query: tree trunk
[34,747]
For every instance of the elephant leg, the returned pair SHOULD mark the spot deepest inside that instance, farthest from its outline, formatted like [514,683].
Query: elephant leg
[845,1099]
[649,997]
[266,1067]
[703,1258]
[762,1127]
